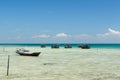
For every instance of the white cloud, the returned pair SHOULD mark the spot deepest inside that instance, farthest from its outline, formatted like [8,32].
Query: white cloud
[110,33]
[110,36]
[114,31]
[41,36]
[62,35]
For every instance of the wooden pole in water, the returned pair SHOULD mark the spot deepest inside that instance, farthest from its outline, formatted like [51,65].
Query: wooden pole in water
[8,65]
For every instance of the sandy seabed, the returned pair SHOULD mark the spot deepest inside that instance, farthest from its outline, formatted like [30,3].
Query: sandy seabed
[61,64]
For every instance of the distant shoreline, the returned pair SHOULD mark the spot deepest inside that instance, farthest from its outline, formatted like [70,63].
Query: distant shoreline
[74,45]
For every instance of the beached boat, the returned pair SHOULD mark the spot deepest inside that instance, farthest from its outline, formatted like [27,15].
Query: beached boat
[24,52]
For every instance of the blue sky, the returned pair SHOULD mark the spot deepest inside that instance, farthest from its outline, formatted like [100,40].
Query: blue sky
[60,21]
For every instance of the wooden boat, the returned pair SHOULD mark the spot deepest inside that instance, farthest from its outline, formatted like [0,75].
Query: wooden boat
[55,46]
[43,46]
[24,52]
[84,46]
[68,46]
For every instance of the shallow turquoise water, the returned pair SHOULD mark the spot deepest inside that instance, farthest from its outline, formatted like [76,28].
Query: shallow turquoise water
[61,64]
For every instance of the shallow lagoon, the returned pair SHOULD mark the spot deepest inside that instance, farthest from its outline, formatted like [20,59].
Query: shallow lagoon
[61,64]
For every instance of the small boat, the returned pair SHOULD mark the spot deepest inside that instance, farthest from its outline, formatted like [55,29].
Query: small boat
[68,46]
[43,46]
[84,46]
[55,46]
[25,52]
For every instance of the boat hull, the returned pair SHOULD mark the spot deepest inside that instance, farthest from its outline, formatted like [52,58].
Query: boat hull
[32,54]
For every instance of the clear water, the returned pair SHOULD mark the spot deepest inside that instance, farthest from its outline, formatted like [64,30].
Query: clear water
[61,64]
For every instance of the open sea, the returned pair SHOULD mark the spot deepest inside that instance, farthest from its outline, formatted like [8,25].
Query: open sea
[100,62]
